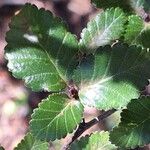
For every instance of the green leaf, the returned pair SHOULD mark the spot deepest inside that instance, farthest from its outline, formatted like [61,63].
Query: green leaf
[40,50]
[97,141]
[147,6]
[134,28]
[104,4]
[137,32]
[104,29]
[56,117]
[1,148]
[129,6]
[138,5]
[113,76]
[134,129]
[30,143]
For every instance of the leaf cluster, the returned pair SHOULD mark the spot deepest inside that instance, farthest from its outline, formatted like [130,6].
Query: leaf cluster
[106,69]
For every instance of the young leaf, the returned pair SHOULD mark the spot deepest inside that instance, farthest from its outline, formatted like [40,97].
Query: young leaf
[40,50]
[30,143]
[137,32]
[134,28]
[113,76]
[56,117]
[97,141]
[134,129]
[104,29]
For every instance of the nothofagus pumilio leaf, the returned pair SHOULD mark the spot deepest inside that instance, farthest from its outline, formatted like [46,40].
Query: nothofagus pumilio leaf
[137,32]
[56,117]
[104,4]
[96,141]
[128,6]
[107,68]
[40,50]
[134,128]
[112,76]
[103,29]
[31,143]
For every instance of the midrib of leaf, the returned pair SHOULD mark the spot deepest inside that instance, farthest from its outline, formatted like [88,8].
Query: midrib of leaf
[105,29]
[30,142]
[137,125]
[103,80]
[141,123]
[56,117]
[145,119]
[63,41]
[55,65]
[35,145]
[104,145]
[134,128]
[138,35]
[70,58]
[144,28]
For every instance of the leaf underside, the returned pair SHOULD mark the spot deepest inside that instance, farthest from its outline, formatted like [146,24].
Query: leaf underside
[40,50]
[113,76]
[104,29]
[134,129]
[56,117]
[30,143]
[97,141]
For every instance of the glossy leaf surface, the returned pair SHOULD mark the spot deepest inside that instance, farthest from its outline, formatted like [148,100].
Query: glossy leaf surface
[30,143]
[56,117]
[97,141]
[40,50]
[134,129]
[137,32]
[104,29]
[113,76]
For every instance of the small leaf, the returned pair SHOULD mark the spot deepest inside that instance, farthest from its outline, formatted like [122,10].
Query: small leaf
[56,117]
[134,28]
[137,32]
[134,129]
[40,50]
[113,76]
[97,141]
[30,143]
[104,29]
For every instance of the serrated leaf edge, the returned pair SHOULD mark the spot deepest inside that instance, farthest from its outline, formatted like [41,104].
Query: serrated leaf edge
[36,109]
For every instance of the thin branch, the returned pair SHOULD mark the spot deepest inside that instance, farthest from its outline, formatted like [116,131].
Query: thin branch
[84,126]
